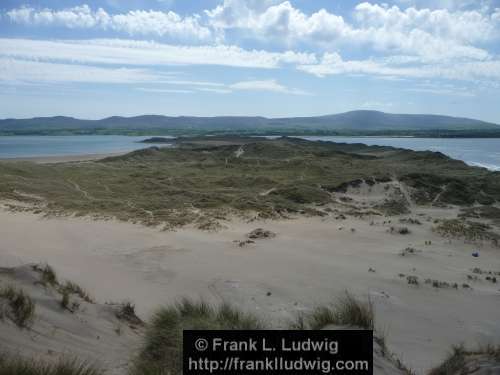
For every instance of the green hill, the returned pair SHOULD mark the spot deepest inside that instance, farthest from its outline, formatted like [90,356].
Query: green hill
[348,123]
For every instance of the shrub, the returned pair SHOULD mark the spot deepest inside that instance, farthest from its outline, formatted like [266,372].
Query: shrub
[408,250]
[403,230]
[469,230]
[412,280]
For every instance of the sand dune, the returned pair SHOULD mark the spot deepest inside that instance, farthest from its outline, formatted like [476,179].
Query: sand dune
[309,262]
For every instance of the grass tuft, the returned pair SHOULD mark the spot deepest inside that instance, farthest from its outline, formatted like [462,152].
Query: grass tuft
[347,311]
[458,361]
[65,300]
[48,274]
[453,364]
[322,317]
[127,313]
[71,288]
[22,307]
[15,365]
[49,277]
[162,350]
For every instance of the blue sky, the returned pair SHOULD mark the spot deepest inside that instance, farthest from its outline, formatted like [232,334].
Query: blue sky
[95,59]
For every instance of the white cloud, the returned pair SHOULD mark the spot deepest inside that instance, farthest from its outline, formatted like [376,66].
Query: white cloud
[127,53]
[131,52]
[194,83]
[165,91]
[12,70]
[462,26]
[18,72]
[453,32]
[333,64]
[266,85]
[277,21]
[374,104]
[269,85]
[433,34]
[444,91]
[405,43]
[496,15]
[138,22]
[215,91]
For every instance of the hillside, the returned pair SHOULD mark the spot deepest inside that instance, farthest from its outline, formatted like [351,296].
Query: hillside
[348,123]
[229,174]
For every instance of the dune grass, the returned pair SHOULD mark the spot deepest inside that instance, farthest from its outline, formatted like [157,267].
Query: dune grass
[48,274]
[162,350]
[70,287]
[457,361]
[466,229]
[16,365]
[21,306]
[48,277]
[193,183]
[126,312]
[347,311]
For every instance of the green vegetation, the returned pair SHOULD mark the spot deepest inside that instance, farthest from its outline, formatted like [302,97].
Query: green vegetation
[349,123]
[468,230]
[71,288]
[482,212]
[49,278]
[463,361]
[21,307]
[65,300]
[392,207]
[126,312]
[347,311]
[204,180]
[16,365]
[47,273]
[162,351]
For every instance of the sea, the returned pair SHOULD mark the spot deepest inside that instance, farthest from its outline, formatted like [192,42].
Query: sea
[480,152]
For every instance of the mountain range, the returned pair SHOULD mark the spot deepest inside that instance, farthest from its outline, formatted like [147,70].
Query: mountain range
[362,122]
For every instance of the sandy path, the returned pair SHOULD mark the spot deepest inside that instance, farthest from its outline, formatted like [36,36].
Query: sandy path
[309,262]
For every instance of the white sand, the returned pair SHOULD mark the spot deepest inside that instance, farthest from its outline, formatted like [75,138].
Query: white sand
[309,262]
[92,332]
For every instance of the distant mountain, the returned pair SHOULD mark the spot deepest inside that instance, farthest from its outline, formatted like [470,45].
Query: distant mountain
[354,122]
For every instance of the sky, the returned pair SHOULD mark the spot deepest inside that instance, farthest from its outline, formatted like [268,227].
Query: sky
[273,58]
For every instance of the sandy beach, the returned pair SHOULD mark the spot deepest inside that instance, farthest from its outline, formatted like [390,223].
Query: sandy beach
[309,262]
[62,158]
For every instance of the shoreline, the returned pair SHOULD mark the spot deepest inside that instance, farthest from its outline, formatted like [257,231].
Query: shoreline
[93,157]
[490,164]
[62,158]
